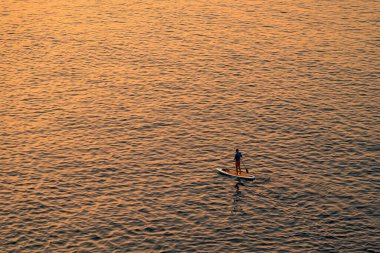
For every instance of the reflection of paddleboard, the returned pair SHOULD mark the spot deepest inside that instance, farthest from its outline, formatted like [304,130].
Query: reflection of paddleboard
[232,173]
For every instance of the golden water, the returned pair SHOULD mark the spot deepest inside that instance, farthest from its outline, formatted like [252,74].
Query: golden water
[114,116]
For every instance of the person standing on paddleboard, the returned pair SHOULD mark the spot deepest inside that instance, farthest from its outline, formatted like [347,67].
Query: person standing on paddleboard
[237,159]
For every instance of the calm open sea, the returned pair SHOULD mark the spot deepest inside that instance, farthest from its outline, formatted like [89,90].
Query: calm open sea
[114,116]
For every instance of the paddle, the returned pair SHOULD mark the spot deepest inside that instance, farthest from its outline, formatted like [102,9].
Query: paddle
[246,170]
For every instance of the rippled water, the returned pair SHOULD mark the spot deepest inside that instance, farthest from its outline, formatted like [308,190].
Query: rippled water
[115,114]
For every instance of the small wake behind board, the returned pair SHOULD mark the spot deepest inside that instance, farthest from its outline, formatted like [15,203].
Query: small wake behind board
[232,173]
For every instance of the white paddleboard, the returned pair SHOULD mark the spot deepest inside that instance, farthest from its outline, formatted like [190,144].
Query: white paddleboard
[232,173]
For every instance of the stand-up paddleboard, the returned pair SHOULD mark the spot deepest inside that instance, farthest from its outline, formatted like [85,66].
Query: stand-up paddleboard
[232,173]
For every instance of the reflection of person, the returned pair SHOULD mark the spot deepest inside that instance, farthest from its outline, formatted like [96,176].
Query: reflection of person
[237,184]
[237,198]
[237,159]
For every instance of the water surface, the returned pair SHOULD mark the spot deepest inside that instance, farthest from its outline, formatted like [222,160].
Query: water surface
[114,116]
